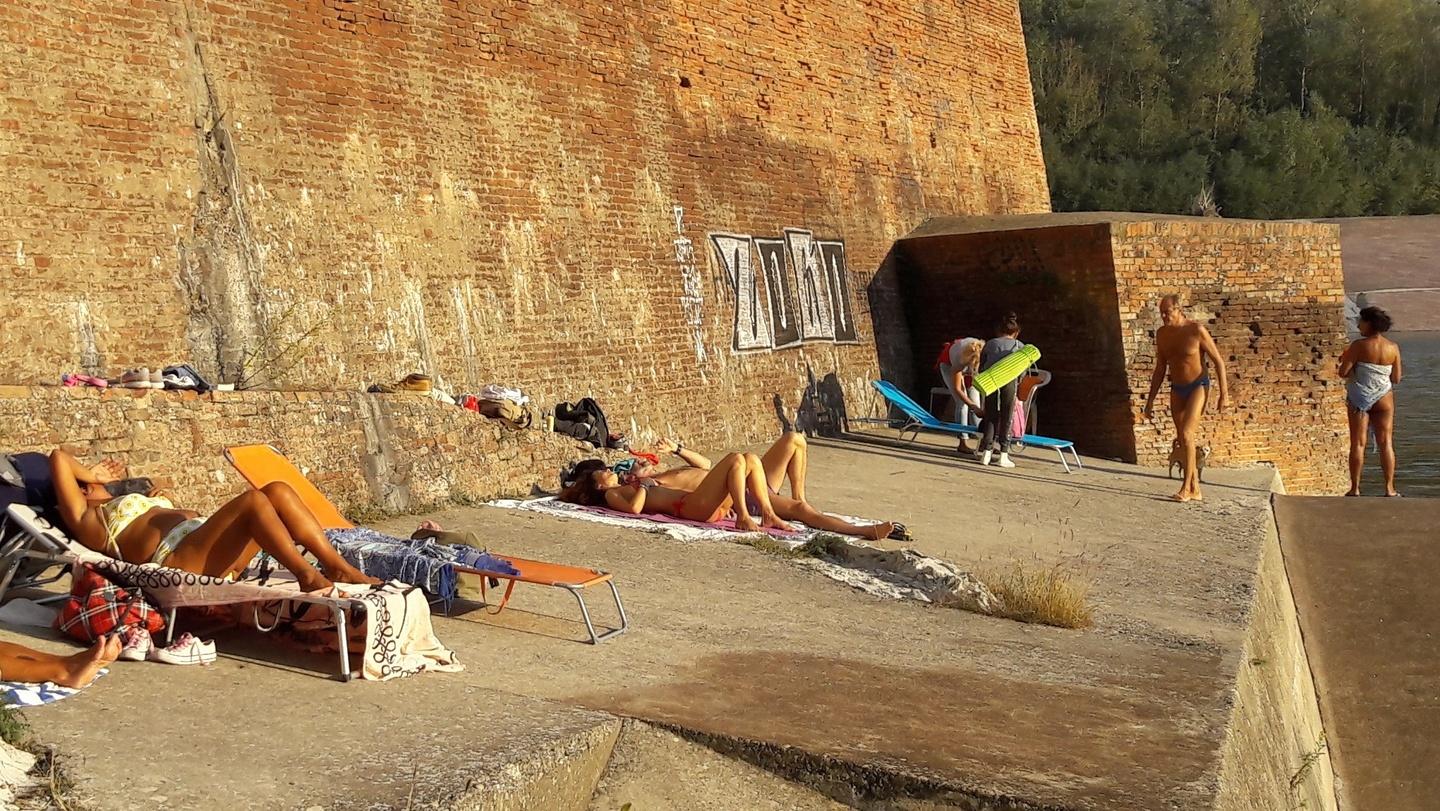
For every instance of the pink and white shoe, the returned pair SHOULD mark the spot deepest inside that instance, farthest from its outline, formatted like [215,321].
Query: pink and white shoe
[137,644]
[187,650]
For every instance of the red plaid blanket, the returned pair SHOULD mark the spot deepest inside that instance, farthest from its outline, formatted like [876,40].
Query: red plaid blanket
[97,607]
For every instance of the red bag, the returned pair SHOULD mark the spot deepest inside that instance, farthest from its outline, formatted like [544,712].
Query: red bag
[97,607]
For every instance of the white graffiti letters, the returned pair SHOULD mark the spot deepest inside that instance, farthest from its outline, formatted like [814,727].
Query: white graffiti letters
[788,289]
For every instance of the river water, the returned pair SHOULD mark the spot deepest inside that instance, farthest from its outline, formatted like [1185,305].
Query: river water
[1417,420]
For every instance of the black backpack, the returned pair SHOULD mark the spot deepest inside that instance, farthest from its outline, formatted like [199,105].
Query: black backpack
[584,420]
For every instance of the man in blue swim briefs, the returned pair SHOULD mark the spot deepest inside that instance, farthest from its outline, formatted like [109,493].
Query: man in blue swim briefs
[1181,349]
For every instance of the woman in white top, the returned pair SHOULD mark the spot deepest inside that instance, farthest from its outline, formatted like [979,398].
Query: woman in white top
[961,362]
[1371,368]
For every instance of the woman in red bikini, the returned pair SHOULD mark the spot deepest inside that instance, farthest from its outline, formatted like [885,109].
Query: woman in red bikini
[736,483]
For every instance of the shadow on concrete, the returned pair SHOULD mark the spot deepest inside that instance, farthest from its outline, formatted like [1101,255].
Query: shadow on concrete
[943,457]
[531,623]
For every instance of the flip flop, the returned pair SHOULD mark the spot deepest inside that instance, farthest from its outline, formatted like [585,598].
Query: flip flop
[900,533]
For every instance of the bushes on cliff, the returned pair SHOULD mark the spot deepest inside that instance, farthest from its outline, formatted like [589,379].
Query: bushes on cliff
[1285,108]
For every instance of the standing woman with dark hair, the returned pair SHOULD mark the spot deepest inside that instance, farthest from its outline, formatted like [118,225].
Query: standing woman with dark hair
[1000,404]
[1371,368]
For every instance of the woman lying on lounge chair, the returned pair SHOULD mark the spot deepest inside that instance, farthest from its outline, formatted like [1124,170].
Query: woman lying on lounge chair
[735,483]
[149,529]
[788,458]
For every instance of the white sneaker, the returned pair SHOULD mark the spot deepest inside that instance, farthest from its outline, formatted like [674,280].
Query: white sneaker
[1005,460]
[187,650]
[985,457]
[137,644]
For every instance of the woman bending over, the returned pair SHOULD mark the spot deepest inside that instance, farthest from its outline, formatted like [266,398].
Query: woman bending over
[736,483]
[149,529]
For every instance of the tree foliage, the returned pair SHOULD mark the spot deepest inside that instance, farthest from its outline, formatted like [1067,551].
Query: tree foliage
[1266,108]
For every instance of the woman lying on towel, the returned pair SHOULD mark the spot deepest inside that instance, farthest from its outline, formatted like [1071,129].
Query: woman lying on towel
[149,529]
[735,483]
[788,458]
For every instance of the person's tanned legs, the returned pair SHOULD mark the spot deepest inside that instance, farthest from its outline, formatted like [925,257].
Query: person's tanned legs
[1359,425]
[1382,417]
[787,458]
[1186,411]
[19,663]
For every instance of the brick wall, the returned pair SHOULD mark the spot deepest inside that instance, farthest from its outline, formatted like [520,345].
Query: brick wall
[1087,290]
[323,192]
[391,452]
[1272,295]
[1061,283]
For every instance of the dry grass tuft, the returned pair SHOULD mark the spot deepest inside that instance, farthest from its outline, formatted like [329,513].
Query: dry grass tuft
[1047,595]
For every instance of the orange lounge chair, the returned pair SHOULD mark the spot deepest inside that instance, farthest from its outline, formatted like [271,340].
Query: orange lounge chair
[263,464]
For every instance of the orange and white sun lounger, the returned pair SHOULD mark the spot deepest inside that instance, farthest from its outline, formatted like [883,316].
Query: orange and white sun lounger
[264,464]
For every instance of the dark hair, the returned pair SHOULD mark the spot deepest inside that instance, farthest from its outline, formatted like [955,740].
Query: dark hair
[578,483]
[1008,324]
[1377,318]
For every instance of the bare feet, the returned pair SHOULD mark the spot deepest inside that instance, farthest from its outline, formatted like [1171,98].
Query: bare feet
[746,523]
[314,581]
[350,574]
[879,532]
[773,521]
[1354,491]
[82,668]
[1182,496]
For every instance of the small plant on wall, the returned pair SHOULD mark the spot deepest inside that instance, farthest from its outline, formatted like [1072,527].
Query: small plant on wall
[277,349]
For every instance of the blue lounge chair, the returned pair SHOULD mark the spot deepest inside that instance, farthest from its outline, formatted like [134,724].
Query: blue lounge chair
[918,419]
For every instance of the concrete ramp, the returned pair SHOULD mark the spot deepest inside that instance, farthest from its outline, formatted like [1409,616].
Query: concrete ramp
[1364,573]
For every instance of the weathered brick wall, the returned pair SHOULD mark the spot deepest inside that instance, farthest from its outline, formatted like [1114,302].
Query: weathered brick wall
[367,452]
[1272,295]
[1087,289]
[1061,283]
[330,192]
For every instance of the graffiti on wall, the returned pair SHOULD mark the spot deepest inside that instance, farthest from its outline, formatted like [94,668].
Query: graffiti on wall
[692,290]
[788,290]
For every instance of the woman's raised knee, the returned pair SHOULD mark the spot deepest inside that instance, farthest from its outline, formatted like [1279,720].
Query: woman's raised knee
[795,439]
[279,489]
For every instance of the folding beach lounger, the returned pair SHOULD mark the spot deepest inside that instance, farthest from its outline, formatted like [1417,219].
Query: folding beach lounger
[918,419]
[263,464]
[41,546]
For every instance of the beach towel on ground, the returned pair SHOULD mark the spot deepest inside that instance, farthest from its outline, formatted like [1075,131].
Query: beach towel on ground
[25,694]
[896,574]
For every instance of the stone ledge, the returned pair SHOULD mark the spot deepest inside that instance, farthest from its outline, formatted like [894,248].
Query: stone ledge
[374,452]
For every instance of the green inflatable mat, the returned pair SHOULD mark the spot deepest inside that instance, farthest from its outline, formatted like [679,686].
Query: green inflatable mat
[1007,369]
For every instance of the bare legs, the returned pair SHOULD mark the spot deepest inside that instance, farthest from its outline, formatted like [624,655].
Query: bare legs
[19,663]
[794,510]
[1359,422]
[788,459]
[1382,418]
[759,489]
[725,487]
[272,519]
[1186,412]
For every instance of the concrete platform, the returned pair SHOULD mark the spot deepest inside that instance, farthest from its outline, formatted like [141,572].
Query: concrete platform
[753,653]
[1364,572]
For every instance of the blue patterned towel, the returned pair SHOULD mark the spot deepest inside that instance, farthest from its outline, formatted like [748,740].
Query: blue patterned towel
[25,694]
[424,563]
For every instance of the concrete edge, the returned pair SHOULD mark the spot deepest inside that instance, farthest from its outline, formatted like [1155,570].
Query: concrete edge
[562,776]
[1275,753]
[858,785]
